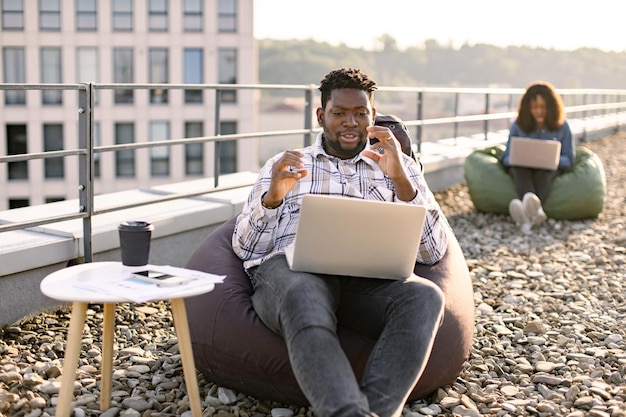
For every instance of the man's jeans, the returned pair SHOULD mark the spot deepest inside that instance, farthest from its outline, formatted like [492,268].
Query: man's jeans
[305,308]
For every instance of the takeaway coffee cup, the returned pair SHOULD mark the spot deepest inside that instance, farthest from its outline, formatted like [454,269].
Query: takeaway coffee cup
[135,242]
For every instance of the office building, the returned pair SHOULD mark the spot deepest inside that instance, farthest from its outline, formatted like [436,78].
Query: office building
[123,41]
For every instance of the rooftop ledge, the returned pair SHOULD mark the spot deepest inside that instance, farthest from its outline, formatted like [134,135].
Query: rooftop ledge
[63,241]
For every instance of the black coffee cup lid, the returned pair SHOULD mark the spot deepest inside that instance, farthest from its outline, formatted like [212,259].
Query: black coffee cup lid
[136,226]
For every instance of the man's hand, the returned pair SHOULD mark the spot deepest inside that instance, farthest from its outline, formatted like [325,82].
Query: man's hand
[285,173]
[386,152]
[390,160]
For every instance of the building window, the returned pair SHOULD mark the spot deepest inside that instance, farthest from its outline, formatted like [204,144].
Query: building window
[51,73]
[50,15]
[12,15]
[53,141]
[192,16]
[158,68]
[96,156]
[227,16]
[16,145]
[194,152]
[194,69]
[228,149]
[87,66]
[15,203]
[14,72]
[86,15]
[122,19]
[159,155]
[54,199]
[157,15]
[123,73]
[227,70]
[124,159]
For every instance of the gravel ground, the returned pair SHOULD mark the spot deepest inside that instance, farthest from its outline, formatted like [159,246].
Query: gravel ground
[550,338]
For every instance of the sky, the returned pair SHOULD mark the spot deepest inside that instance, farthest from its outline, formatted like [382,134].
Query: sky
[557,24]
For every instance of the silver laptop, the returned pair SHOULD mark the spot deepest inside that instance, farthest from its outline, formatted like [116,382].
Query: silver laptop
[534,153]
[355,237]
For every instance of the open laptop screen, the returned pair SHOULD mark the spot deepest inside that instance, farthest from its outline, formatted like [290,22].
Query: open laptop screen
[534,153]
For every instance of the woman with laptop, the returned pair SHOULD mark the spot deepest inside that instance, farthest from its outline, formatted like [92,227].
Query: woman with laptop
[540,117]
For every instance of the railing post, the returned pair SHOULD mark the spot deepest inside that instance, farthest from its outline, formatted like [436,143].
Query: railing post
[308,116]
[420,118]
[217,131]
[456,113]
[617,112]
[584,115]
[486,121]
[86,164]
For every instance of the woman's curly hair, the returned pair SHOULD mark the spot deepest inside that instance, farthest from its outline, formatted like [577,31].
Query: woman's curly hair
[555,112]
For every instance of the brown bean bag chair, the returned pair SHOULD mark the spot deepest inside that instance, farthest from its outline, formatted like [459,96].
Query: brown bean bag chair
[234,349]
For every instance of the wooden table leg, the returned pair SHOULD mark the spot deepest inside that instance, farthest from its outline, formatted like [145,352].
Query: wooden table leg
[106,371]
[179,312]
[70,361]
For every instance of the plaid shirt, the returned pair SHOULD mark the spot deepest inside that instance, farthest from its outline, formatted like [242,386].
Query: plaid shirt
[261,233]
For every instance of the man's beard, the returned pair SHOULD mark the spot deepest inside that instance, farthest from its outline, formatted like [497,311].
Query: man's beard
[337,149]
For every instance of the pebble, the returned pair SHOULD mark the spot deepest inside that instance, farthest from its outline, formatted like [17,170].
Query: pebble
[549,334]
[282,412]
[136,403]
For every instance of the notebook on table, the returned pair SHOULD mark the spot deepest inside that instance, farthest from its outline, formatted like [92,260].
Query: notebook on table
[355,237]
[534,153]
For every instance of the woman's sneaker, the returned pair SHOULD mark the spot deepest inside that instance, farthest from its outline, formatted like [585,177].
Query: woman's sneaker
[540,217]
[533,210]
[518,214]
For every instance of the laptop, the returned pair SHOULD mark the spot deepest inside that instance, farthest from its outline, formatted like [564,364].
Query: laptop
[356,237]
[534,153]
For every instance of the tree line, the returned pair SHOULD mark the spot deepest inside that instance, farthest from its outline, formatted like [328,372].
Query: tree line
[436,65]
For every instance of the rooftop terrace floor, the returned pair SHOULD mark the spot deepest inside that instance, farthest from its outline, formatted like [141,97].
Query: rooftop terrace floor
[550,336]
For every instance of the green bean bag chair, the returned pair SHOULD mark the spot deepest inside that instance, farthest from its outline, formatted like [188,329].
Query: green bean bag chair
[577,193]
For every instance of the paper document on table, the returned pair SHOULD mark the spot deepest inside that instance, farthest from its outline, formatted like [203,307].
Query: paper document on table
[123,285]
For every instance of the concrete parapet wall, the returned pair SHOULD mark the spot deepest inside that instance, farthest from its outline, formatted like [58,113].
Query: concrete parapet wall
[27,256]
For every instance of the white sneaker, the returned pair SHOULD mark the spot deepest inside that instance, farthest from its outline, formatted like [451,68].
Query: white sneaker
[516,210]
[525,227]
[531,204]
[533,210]
[540,217]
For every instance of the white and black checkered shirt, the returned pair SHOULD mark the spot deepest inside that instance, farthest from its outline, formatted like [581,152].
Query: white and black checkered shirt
[261,233]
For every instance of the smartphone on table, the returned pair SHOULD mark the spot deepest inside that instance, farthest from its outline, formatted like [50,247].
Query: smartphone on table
[159,278]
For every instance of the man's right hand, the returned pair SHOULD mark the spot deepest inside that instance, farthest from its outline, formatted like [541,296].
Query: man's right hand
[285,173]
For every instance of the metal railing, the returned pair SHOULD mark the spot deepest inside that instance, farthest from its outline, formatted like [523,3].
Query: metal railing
[581,102]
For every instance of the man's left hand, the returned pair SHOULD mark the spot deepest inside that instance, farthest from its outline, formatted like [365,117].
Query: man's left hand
[390,158]
[387,153]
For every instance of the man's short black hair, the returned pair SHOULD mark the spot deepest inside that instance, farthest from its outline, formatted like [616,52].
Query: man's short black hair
[346,78]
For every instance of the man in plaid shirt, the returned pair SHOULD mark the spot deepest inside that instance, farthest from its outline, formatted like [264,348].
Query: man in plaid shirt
[305,308]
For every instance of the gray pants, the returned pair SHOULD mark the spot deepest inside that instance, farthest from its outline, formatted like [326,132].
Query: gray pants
[530,180]
[305,309]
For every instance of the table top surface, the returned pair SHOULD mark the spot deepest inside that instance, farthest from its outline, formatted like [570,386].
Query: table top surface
[63,284]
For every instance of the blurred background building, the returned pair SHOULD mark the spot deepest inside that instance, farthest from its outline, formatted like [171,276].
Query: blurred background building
[123,41]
